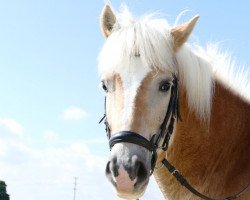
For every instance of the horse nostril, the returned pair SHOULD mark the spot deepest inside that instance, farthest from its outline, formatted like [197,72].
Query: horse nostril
[108,168]
[139,172]
[142,172]
[112,167]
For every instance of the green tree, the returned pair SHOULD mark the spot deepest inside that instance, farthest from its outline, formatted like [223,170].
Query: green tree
[3,192]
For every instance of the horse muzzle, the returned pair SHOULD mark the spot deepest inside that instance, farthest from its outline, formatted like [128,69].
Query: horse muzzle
[128,170]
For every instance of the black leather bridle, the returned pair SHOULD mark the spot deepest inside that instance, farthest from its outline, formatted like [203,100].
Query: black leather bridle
[164,134]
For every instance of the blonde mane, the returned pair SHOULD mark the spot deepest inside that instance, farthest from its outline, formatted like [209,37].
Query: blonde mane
[196,67]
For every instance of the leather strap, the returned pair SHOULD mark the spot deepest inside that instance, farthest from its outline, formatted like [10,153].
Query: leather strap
[130,137]
[185,183]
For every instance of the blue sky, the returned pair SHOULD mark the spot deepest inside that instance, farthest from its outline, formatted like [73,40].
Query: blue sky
[50,100]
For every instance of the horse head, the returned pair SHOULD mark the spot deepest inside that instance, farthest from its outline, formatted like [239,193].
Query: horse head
[138,71]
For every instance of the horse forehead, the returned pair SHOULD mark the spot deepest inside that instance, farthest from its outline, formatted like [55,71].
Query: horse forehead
[133,74]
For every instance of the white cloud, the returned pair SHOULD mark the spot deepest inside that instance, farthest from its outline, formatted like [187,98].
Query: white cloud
[48,172]
[73,113]
[10,127]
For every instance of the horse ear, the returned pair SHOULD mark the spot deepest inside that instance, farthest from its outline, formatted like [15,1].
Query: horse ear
[107,20]
[181,33]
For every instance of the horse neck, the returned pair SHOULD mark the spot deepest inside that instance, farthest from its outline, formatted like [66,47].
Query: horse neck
[213,154]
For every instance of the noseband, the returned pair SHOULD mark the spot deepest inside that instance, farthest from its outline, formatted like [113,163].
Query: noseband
[164,133]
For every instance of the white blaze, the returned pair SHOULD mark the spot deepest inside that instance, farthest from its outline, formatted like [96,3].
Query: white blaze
[131,76]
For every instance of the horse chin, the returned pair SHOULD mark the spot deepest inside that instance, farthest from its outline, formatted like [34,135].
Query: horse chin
[129,196]
[136,194]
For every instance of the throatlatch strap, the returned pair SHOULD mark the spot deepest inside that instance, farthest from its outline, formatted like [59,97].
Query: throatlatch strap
[185,183]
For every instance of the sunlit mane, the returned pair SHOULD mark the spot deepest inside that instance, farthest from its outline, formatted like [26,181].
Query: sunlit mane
[150,39]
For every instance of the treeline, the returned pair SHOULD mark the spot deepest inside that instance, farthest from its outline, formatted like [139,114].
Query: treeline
[3,191]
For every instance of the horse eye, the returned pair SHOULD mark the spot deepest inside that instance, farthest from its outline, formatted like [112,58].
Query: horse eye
[164,86]
[104,87]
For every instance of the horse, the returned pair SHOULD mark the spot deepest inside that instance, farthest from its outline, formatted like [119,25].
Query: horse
[172,110]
